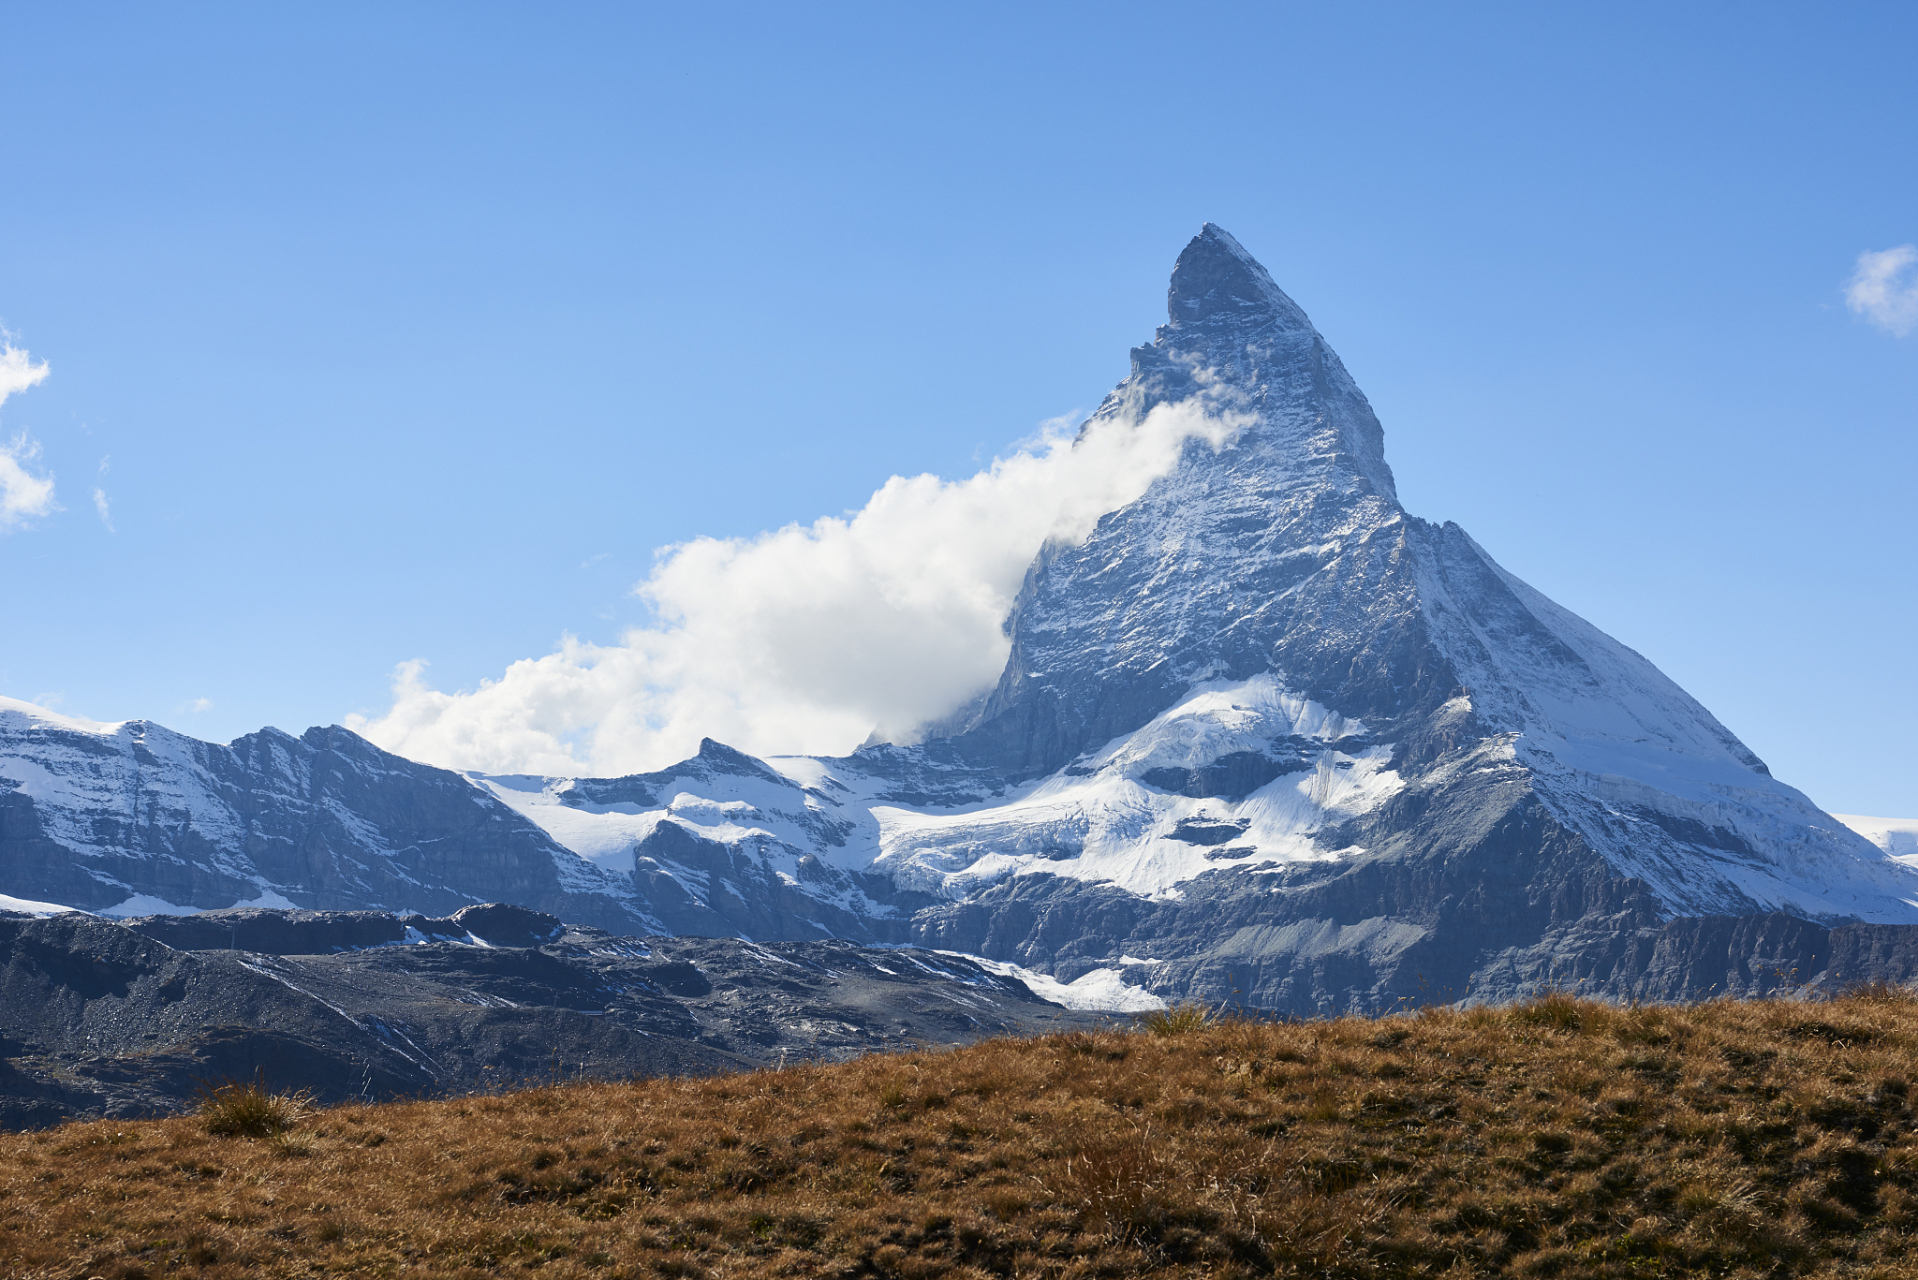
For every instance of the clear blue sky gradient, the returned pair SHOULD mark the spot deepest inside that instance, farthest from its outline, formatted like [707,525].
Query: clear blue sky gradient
[412,331]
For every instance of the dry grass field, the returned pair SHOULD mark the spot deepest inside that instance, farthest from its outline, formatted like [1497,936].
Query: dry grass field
[1558,1138]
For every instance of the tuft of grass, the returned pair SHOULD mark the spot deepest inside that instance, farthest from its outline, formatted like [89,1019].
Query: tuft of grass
[1177,1020]
[248,1109]
[1556,1010]
[1558,1138]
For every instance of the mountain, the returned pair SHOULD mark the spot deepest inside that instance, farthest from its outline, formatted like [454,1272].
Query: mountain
[132,818]
[1270,731]
[1263,736]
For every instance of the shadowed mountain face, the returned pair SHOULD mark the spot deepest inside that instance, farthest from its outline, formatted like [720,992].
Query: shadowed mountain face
[1262,736]
[103,1018]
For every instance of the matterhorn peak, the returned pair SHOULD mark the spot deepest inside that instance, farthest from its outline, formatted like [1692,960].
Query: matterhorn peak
[1216,279]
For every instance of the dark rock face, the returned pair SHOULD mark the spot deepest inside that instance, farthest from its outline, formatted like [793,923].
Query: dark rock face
[309,933]
[272,932]
[98,1018]
[710,888]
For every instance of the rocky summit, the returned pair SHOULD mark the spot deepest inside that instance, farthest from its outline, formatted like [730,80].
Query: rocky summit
[1263,737]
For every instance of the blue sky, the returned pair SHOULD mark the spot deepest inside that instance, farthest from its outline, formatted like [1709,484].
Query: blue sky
[413,335]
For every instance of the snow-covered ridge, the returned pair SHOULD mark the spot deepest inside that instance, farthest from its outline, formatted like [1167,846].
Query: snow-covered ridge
[135,819]
[15,714]
[28,907]
[1116,817]
[1898,837]
[1623,755]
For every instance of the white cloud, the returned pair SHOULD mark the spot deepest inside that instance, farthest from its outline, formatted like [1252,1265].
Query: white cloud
[100,495]
[24,495]
[807,638]
[17,370]
[1884,290]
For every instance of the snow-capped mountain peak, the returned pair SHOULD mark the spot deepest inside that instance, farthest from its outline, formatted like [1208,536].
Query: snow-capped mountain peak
[1300,747]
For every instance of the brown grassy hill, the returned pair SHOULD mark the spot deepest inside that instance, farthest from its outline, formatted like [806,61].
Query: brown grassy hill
[1560,1138]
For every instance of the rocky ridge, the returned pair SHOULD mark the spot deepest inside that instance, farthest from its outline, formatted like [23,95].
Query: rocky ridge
[132,818]
[134,1018]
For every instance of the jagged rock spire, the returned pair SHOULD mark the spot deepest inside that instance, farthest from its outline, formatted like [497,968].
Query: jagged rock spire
[1216,279]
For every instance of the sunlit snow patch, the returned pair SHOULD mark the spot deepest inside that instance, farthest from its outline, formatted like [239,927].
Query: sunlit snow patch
[602,834]
[28,907]
[41,718]
[1111,818]
[1100,991]
[269,898]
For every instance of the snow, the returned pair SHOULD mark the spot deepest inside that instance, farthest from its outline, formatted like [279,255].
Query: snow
[603,836]
[1109,826]
[1621,754]
[1100,991]
[269,898]
[87,792]
[1898,837]
[768,816]
[1101,823]
[730,808]
[1604,742]
[41,718]
[28,907]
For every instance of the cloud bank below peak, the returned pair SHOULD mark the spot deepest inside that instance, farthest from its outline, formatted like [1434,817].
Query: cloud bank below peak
[806,639]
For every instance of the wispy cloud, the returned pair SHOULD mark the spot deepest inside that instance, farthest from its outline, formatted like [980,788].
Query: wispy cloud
[193,706]
[1884,288]
[807,638]
[25,495]
[100,496]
